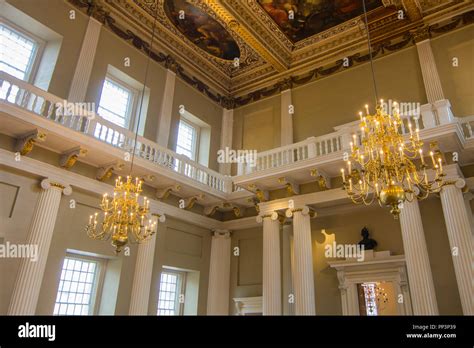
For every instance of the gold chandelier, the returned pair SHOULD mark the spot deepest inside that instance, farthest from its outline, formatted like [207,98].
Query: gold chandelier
[387,167]
[124,217]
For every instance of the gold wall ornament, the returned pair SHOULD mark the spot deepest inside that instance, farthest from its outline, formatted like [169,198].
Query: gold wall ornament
[387,167]
[69,158]
[124,218]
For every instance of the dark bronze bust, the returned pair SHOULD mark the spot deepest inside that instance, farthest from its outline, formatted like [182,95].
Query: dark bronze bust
[367,242]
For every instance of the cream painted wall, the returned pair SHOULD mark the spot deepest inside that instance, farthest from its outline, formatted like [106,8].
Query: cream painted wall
[55,15]
[246,269]
[257,126]
[201,107]
[186,247]
[335,100]
[457,82]
[179,245]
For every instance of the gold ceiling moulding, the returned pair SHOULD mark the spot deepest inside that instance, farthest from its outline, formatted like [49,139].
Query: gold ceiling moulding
[274,62]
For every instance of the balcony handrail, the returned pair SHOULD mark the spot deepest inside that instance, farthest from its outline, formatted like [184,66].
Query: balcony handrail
[29,97]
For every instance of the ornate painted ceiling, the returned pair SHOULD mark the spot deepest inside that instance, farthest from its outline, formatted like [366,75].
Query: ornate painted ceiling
[239,51]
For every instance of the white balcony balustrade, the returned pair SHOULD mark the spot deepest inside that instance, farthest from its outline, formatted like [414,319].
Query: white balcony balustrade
[21,94]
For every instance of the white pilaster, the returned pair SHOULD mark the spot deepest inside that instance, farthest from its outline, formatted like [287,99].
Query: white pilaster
[460,240]
[82,74]
[226,138]
[30,275]
[219,274]
[142,276]
[166,110]
[418,264]
[286,119]
[467,201]
[303,253]
[271,265]
[431,79]
[287,265]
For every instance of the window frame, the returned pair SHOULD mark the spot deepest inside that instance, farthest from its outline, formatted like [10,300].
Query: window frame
[195,144]
[132,107]
[180,290]
[98,281]
[36,54]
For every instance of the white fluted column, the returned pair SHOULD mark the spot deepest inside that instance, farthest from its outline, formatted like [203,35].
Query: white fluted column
[418,264]
[287,265]
[82,74]
[164,127]
[303,254]
[286,118]
[432,82]
[271,264]
[226,138]
[143,273]
[460,240]
[219,274]
[40,232]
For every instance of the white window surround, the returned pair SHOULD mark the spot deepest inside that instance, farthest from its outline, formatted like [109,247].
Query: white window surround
[378,266]
[96,284]
[204,137]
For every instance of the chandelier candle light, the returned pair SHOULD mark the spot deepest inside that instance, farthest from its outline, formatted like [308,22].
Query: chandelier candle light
[124,217]
[385,166]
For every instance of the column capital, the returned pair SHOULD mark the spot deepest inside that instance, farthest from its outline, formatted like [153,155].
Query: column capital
[274,216]
[305,210]
[221,233]
[47,183]
[159,216]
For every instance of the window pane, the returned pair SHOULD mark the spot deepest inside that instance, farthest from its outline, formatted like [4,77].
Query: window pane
[114,103]
[17,54]
[187,136]
[75,288]
[168,303]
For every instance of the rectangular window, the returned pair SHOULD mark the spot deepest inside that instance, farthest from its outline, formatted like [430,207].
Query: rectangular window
[117,103]
[17,56]
[187,139]
[17,52]
[370,297]
[170,298]
[78,286]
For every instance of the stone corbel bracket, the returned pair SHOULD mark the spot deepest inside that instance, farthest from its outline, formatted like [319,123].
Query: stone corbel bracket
[255,202]
[105,172]
[324,181]
[262,195]
[292,188]
[190,201]
[148,178]
[69,158]
[165,192]
[304,211]
[24,143]
[212,209]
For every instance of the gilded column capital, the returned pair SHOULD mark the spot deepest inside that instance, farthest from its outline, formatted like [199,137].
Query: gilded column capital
[47,184]
[420,34]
